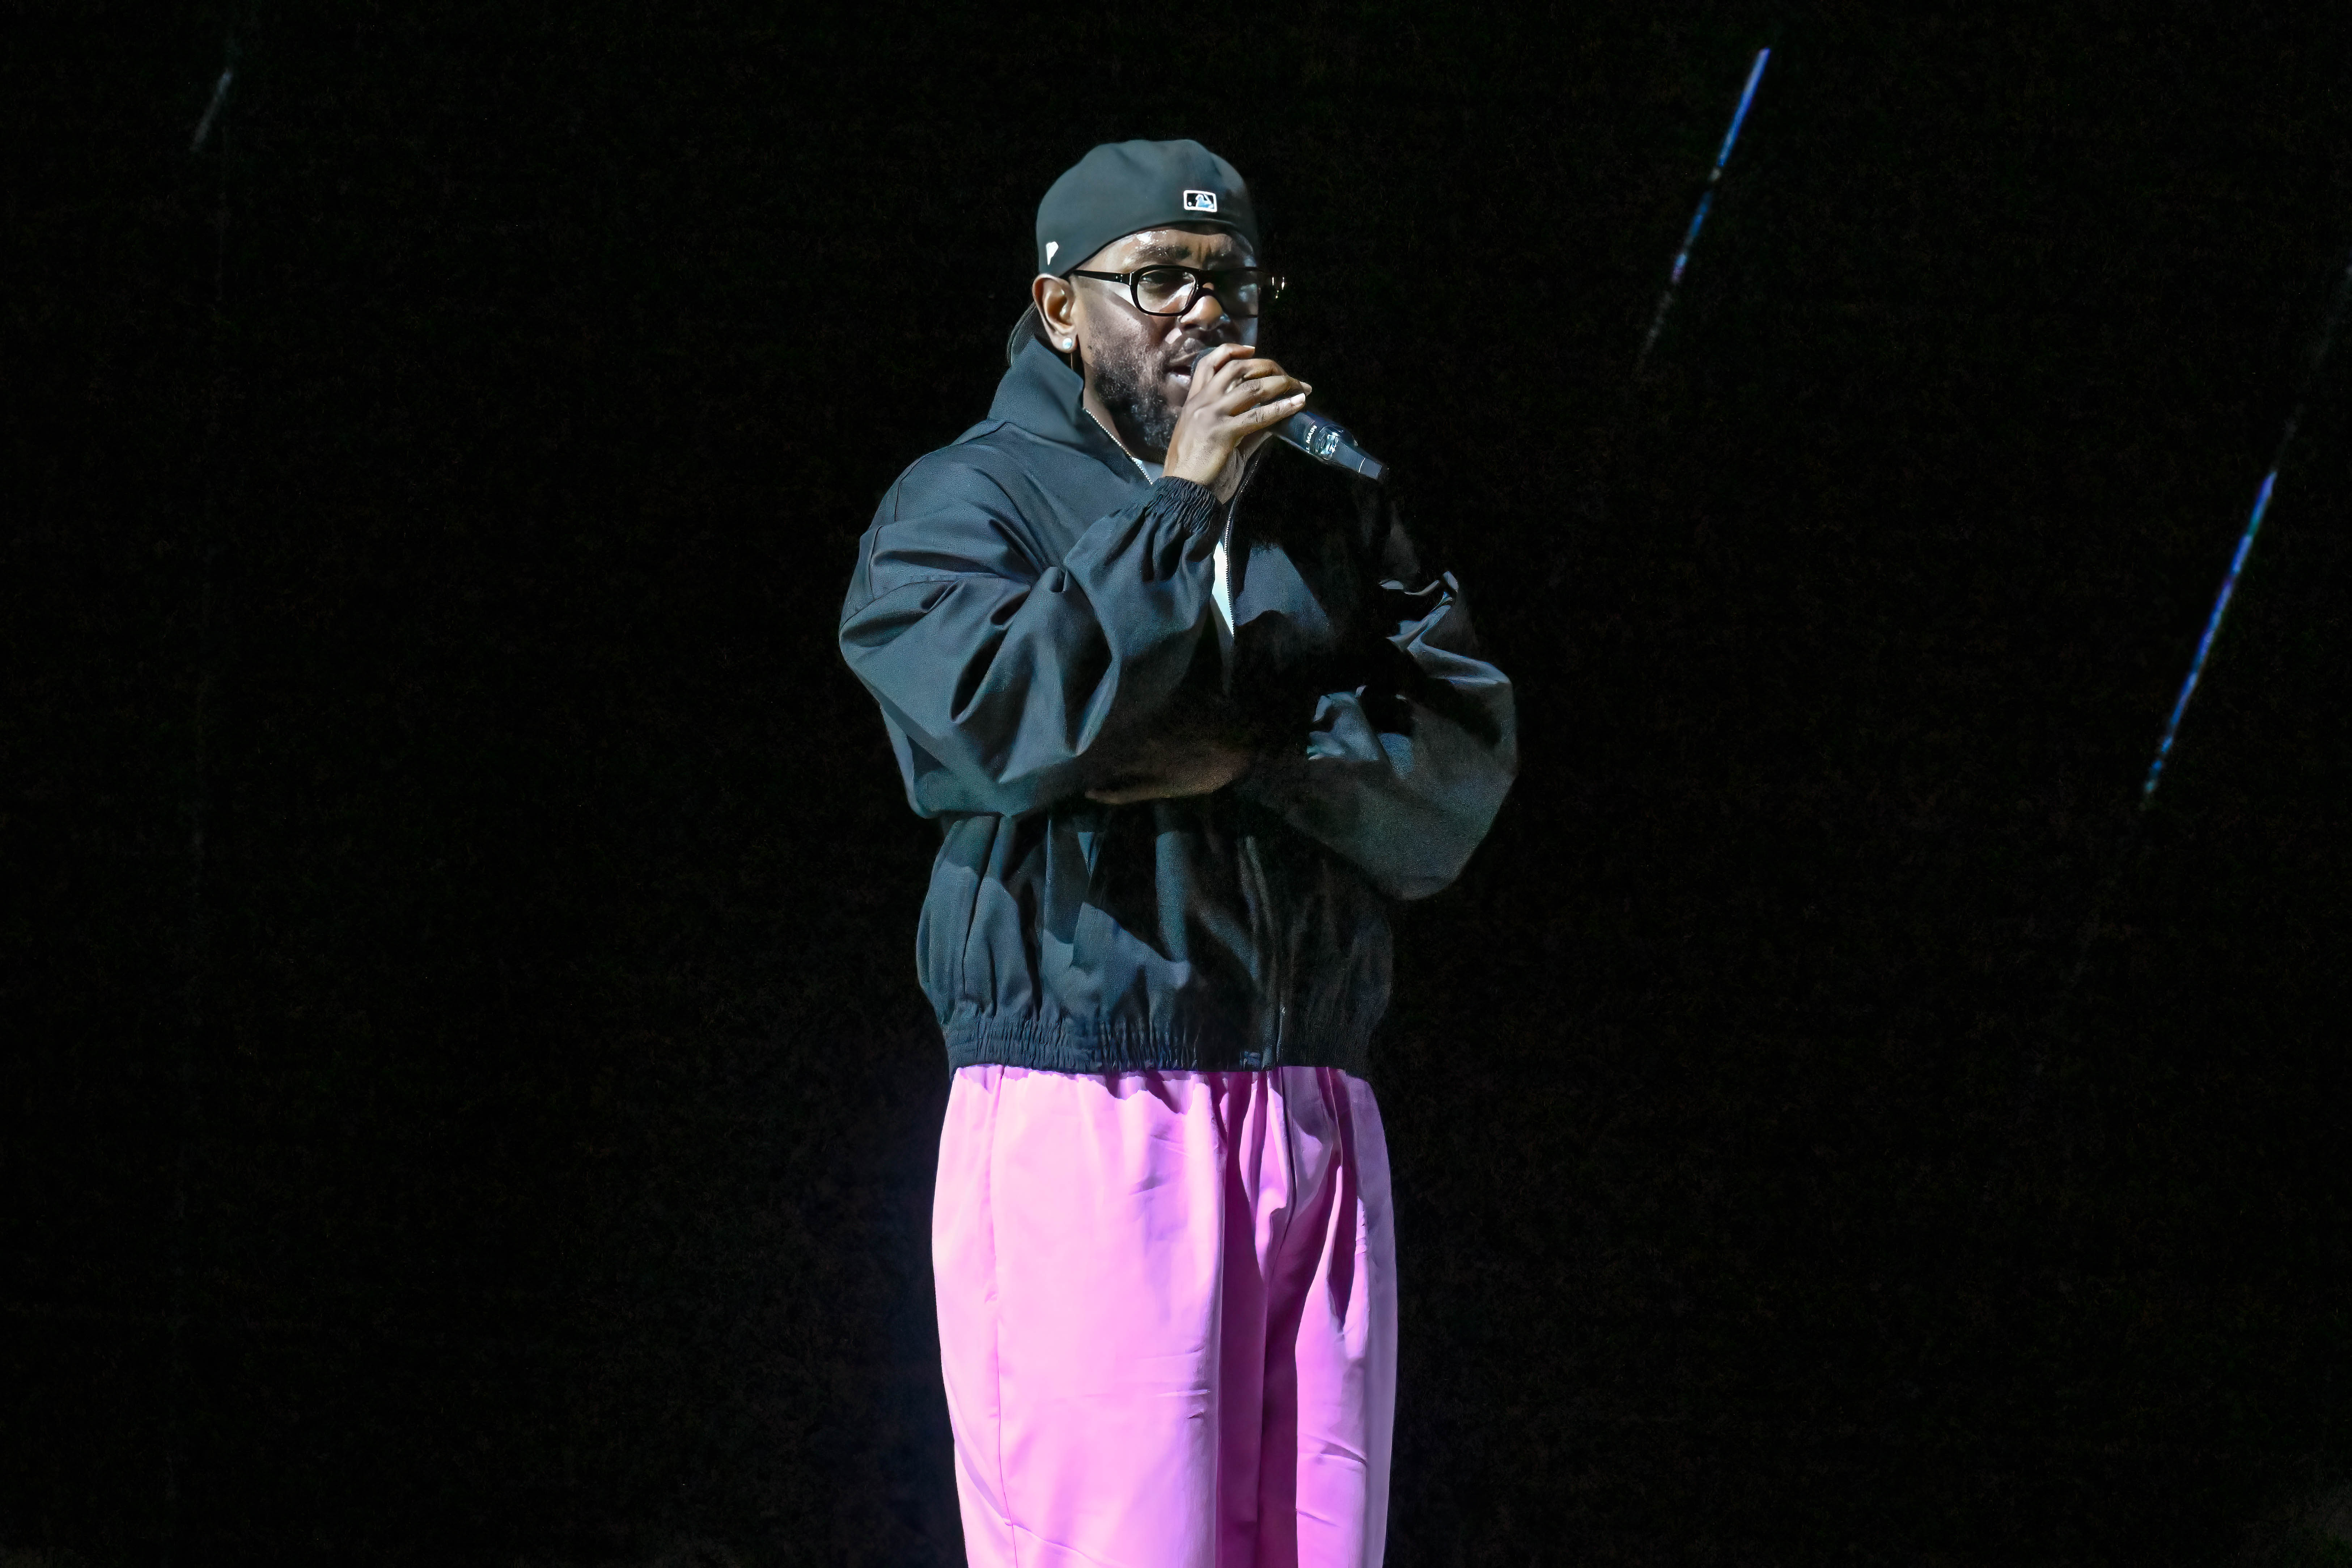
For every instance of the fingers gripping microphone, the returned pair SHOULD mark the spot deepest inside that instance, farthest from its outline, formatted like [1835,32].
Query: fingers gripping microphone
[1326,442]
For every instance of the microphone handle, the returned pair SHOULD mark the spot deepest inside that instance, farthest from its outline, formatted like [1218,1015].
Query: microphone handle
[1328,442]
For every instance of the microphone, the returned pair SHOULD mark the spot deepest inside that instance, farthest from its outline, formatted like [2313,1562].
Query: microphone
[1329,442]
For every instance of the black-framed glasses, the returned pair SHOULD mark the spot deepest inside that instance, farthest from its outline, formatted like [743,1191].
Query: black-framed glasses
[1172,290]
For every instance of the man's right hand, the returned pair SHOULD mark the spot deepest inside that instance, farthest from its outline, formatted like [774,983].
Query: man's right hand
[1237,397]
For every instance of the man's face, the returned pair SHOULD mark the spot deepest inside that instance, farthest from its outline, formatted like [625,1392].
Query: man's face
[1139,366]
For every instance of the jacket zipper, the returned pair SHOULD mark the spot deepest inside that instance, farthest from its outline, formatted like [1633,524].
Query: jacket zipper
[1270,925]
[1270,928]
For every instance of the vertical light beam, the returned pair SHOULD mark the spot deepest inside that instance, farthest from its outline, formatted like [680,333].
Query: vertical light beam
[2319,348]
[212,109]
[2212,625]
[1706,198]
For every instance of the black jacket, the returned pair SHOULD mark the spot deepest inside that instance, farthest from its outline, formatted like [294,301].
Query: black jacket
[1026,608]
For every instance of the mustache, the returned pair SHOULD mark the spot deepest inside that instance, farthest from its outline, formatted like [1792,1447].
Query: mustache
[1184,359]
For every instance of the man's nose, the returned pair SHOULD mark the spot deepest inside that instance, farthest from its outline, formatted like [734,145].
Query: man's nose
[1206,313]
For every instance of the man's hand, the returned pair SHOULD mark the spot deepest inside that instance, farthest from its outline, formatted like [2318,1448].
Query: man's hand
[1164,770]
[1237,398]
[1197,747]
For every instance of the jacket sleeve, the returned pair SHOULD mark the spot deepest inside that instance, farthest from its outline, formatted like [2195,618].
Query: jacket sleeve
[1002,674]
[1402,776]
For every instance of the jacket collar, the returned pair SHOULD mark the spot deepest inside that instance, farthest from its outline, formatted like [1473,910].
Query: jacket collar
[1045,398]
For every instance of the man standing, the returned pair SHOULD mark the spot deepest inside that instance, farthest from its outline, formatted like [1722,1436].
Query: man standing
[1181,761]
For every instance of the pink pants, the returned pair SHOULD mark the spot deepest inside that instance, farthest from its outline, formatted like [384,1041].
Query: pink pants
[1167,1318]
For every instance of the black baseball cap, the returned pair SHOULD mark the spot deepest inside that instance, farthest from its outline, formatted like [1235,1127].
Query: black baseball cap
[1120,187]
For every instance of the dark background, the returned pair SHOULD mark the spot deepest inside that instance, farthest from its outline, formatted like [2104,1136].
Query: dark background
[467,1099]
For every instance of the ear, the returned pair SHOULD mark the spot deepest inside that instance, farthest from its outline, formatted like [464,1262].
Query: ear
[1058,310]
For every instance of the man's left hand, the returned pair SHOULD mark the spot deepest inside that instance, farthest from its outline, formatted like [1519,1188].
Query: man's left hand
[1168,769]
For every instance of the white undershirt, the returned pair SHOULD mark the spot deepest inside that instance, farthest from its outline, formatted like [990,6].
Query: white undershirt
[1221,592]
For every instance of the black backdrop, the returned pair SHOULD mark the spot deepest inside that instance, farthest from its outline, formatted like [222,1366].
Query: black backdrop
[506,1138]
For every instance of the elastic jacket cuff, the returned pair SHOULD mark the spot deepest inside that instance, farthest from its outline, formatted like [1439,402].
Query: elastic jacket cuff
[1195,504]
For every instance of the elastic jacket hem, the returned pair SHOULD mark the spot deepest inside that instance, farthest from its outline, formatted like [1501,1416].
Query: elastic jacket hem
[980,1039]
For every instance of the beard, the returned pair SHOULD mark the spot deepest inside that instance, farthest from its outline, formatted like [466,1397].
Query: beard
[1126,386]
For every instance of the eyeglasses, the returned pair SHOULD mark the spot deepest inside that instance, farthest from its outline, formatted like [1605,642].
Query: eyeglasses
[1172,290]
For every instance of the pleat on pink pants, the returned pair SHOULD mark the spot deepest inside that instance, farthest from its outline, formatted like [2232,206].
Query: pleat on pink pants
[1167,1318]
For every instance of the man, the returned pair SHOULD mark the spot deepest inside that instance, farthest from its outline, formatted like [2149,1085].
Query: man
[1181,760]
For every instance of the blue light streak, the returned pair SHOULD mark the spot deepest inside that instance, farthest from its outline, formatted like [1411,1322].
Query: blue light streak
[212,109]
[2212,625]
[2319,351]
[1705,200]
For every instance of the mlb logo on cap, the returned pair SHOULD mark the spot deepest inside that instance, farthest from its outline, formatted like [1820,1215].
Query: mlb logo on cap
[1199,201]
